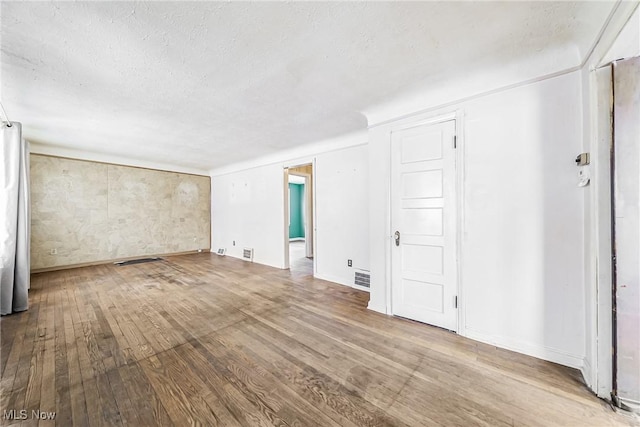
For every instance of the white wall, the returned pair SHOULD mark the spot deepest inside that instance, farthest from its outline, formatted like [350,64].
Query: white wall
[522,243]
[342,206]
[248,207]
[522,265]
[528,268]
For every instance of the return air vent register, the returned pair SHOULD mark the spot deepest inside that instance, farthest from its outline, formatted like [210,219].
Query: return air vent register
[137,261]
[247,254]
[363,279]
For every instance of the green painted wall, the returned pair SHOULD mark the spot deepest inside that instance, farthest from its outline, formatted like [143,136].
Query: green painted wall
[296,219]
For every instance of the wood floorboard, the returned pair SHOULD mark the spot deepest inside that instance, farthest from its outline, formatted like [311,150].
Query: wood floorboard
[215,341]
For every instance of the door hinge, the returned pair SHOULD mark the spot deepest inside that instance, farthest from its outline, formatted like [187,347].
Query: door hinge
[455,301]
[455,141]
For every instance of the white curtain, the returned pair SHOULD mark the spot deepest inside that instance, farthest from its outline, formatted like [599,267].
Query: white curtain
[14,234]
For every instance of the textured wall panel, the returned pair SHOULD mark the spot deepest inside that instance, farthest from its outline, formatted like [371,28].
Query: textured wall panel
[86,212]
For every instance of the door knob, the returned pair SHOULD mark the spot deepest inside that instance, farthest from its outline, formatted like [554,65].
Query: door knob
[397,235]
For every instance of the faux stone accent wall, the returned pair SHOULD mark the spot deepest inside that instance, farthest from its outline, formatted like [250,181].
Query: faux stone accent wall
[84,212]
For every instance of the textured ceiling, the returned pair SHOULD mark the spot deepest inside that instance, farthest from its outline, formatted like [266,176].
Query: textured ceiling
[203,85]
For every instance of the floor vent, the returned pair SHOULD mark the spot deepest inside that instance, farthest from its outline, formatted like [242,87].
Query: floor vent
[363,279]
[138,261]
[247,253]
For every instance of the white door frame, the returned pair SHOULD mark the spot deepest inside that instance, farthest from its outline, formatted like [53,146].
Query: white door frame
[458,116]
[600,376]
[311,200]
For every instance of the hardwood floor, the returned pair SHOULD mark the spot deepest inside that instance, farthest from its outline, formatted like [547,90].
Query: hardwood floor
[298,262]
[206,340]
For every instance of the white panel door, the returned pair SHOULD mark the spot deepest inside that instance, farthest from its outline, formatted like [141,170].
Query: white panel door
[423,219]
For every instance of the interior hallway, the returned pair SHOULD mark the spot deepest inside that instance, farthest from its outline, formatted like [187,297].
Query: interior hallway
[299,264]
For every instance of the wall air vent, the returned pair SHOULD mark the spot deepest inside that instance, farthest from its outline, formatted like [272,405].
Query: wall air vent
[247,254]
[222,251]
[363,279]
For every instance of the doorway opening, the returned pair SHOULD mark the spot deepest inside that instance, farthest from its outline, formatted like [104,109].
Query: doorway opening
[299,219]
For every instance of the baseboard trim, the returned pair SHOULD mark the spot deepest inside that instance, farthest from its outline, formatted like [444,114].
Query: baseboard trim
[339,281]
[377,309]
[628,405]
[110,261]
[587,373]
[332,279]
[541,352]
[254,261]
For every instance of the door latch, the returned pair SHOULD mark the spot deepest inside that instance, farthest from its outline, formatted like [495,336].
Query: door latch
[397,235]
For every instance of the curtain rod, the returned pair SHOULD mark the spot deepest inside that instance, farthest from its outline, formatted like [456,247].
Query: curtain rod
[5,118]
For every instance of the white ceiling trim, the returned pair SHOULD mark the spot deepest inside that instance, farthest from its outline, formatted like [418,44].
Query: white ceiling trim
[48,150]
[619,18]
[501,78]
[299,155]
